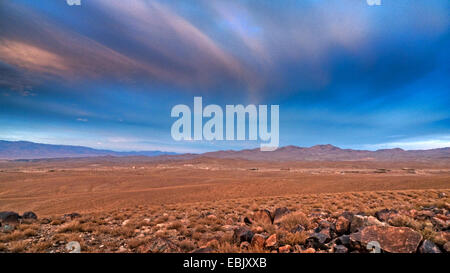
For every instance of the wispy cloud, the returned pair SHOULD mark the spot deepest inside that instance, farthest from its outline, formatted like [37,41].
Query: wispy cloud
[423,143]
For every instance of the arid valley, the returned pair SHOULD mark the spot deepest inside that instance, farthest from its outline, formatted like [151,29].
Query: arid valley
[215,204]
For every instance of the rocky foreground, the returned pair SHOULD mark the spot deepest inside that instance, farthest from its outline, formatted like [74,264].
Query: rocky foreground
[416,221]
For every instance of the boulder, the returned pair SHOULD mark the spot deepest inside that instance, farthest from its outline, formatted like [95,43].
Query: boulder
[271,241]
[429,247]
[358,222]
[342,225]
[279,213]
[344,240]
[262,216]
[318,240]
[390,239]
[242,234]
[29,215]
[9,217]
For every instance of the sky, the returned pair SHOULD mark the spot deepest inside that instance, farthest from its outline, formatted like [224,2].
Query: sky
[107,73]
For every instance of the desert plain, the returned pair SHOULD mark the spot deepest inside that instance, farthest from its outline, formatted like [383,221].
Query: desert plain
[203,204]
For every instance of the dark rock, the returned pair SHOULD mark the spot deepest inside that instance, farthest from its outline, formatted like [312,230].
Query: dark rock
[242,234]
[245,246]
[390,239]
[262,216]
[298,228]
[45,221]
[29,215]
[344,240]
[428,247]
[9,217]
[247,221]
[279,213]
[72,215]
[340,249]
[318,240]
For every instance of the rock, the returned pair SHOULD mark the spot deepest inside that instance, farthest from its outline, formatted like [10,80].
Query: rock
[384,214]
[358,222]
[263,217]
[342,225]
[298,228]
[203,250]
[242,234]
[29,215]
[73,247]
[271,241]
[124,223]
[326,231]
[279,213]
[446,247]
[390,239]
[324,224]
[9,217]
[6,227]
[247,221]
[72,215]
[340,249]
[159,245]
[309,250]
[372,221]
[284,249]
[442,195]
[122,249]
[258,241]
[245,246]
[318,239]
[428,247]
[45,221]
[344,240]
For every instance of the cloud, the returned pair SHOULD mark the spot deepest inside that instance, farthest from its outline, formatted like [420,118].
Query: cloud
[423,143]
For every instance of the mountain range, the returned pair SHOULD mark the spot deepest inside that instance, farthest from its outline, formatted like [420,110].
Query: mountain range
[12,150]
[30,150]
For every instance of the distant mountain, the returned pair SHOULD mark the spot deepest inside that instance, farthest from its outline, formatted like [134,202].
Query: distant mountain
[332,153]
[31,150]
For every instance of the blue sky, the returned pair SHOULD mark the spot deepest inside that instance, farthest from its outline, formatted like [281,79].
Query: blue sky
[107,73]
